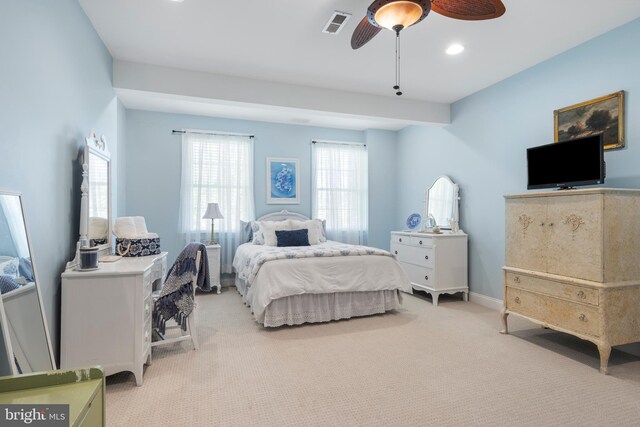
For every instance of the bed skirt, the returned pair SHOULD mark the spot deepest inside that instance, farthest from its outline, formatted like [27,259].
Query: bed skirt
[315,308]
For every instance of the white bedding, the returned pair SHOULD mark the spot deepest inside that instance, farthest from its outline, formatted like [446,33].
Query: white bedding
[364,269]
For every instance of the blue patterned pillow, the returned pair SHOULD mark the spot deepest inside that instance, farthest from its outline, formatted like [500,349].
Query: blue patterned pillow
[293,237]
[246,231]
[258,235]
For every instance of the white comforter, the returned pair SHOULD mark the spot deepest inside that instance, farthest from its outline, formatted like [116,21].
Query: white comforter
[329,267]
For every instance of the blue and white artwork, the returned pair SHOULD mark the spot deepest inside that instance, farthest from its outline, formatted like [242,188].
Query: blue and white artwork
[282,181]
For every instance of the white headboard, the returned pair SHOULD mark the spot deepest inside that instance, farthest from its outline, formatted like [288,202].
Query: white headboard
[245,232]
[282,215]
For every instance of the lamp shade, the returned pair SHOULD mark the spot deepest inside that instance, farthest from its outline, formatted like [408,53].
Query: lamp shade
[397,14]
[213,211]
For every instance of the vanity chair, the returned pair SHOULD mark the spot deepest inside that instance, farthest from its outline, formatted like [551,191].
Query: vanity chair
[435,259]
[190,333]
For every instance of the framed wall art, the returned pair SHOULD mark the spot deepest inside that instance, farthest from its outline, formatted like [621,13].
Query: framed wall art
[283,181]
[601,115]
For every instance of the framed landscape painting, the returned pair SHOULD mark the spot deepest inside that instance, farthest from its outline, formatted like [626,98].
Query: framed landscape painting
[601,115]
[283,181]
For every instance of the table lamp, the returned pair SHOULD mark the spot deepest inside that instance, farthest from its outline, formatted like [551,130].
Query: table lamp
[213,212]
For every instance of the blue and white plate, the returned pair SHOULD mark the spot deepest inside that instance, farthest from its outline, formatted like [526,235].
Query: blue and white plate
[414,221]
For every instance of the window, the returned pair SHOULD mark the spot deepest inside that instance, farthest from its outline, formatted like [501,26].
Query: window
[340,190]
[216,168]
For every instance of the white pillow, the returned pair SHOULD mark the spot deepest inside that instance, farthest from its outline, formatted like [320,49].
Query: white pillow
[314,227]
[323,230]
[269,228]
[9,267]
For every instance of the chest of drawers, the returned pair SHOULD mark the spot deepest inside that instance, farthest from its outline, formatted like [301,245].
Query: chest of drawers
[571,264]
[435,263]
[106,315]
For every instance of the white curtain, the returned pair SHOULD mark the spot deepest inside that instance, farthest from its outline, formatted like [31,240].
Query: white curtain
[216,168]
[340,190]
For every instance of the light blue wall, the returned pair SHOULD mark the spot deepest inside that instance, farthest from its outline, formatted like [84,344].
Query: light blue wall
[154,161]
[383,188]
[484,148]
[55,86]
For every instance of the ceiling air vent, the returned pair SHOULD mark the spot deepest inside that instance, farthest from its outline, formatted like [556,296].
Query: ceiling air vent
[336,22]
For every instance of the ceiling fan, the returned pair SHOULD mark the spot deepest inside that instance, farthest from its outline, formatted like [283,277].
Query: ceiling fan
[396,15]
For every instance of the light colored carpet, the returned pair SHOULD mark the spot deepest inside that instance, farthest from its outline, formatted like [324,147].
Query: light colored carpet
[419,366]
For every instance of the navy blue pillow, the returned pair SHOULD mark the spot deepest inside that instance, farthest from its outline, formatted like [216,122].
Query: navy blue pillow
[293,237]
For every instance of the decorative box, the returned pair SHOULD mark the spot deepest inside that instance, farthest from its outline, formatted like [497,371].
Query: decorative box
[137,247]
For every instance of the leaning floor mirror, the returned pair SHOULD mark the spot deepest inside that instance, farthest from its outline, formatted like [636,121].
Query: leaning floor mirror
[25,345]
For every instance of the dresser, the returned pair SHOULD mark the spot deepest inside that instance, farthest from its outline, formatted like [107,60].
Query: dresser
[213,258]
[106,314]
[82,390]
[571,264]
[435,263]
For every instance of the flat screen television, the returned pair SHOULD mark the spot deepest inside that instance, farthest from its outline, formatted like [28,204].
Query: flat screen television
[566,164]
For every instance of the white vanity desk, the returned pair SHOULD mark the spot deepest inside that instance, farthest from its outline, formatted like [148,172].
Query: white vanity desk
[106,315]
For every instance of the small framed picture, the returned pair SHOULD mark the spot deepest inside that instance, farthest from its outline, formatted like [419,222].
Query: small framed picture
[283,181]
[603,115]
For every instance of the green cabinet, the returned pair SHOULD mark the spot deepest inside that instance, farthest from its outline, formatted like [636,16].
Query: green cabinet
[82,389]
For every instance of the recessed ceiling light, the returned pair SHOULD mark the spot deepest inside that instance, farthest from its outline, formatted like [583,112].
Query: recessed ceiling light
[455,49]
[177,1]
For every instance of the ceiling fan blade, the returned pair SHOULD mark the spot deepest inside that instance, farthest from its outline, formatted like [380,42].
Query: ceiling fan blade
[363,33]
[469,10]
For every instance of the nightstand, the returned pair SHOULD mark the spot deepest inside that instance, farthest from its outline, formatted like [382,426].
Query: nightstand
[213,256]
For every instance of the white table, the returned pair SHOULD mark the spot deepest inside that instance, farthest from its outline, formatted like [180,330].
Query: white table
[105,316]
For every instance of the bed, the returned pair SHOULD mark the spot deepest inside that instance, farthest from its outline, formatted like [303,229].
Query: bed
[318,283]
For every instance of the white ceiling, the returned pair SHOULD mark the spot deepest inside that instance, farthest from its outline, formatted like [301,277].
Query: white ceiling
[281,41]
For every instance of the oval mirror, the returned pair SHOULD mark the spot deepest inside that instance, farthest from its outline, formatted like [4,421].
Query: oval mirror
[441,201]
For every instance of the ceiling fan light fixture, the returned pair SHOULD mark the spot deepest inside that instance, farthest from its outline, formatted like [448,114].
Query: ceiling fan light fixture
[398,14]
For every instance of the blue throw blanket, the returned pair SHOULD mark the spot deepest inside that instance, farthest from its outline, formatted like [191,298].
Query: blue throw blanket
[176,298]
[7,284]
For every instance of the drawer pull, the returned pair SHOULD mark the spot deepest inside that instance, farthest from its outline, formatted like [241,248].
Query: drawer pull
[426,257]
[426,277]
[581,295]
[517,300]
[396,252]
[582,317]
[400,239]
[516,279]
[420,242]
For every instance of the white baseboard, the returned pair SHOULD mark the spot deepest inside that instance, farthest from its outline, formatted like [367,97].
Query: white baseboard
[485,301]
